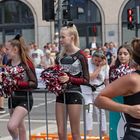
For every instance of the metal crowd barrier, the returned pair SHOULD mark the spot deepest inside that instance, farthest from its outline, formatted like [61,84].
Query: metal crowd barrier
[45,137]
[46,108]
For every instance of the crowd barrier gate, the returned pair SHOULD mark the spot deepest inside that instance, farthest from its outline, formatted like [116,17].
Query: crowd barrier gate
[45,91]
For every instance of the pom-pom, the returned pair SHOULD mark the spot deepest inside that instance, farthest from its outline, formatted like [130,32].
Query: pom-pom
[120,71]
[50,78]
[9,78]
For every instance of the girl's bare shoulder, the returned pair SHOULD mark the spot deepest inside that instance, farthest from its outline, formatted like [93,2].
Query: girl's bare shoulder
[127,81]
[133,81]
[134,77]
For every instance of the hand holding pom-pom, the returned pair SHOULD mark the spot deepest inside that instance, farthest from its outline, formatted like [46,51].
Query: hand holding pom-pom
[10,76]
[51,76]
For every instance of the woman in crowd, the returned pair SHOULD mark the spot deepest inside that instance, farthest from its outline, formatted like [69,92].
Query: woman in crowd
[129,87]
[123,64]
[47,60]
[74,63]
[17,102]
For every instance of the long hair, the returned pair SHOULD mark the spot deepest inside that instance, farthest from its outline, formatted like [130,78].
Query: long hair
[1,57]
[19,42]
[128,48]
[72,30]
[136,50]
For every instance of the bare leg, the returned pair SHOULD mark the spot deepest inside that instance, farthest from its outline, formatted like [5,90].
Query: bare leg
[22,131]
[2,105]
[2,102]
[15,121]
[60,120]
[74,112]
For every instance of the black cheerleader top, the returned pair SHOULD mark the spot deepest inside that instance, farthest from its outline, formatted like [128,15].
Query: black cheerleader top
[132,100]
[29,82]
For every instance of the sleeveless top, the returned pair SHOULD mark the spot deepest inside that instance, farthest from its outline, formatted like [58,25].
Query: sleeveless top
[132,100]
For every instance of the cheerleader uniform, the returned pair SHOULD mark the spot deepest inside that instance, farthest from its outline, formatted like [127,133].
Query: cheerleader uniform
[20,97]
[76,67]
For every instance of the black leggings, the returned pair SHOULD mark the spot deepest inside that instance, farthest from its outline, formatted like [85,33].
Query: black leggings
[131,134]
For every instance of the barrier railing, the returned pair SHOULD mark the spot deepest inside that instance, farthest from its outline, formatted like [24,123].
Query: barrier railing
[47,136]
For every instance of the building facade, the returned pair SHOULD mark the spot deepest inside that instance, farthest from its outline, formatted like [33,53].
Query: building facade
[105,19]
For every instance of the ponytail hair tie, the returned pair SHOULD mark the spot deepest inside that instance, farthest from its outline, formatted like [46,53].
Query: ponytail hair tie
[17,37]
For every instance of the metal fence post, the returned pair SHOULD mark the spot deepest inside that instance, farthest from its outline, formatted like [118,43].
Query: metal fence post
[84,118]
[100,124]
[29,122]
[65,115]
[46,109]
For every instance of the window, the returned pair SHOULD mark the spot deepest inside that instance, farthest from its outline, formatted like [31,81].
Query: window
[26,15]
[11,12]
[15,12]
[128,34]
[89,16]
[16,17]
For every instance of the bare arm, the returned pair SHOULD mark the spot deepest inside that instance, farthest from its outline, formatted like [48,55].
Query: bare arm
[95,74]
[121,87]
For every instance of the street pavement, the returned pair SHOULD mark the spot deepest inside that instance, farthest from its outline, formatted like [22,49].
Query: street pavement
[38,116]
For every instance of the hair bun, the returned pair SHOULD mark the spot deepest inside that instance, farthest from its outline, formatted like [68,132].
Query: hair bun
[98,54]
[17,37]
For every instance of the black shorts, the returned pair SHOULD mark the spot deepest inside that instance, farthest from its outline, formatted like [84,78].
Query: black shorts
[13,102]
[70,98]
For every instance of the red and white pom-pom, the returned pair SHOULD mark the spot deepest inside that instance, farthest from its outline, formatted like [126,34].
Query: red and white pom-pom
[50,77]
[9,78]
[120,71]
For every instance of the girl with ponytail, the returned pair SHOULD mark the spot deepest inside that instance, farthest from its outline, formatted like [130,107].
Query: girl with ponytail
[17,102]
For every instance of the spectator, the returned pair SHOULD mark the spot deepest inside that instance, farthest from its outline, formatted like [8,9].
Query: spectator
[37,56]
[99,75]
[113,50]
[87,53]
[108,55]
[92,46]
[47,60]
